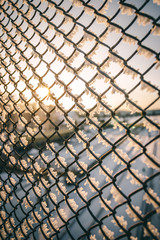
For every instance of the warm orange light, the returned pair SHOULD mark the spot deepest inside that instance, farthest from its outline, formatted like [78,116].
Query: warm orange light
[42,92]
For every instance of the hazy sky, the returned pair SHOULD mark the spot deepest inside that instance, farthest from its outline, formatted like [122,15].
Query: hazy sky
[112,42]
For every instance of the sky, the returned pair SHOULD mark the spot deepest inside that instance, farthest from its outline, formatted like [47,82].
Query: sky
[107,55]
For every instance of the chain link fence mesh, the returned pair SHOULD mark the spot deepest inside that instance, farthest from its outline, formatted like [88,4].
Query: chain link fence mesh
[79,119]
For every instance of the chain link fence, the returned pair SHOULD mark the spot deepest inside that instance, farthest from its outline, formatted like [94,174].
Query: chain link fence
[79,119]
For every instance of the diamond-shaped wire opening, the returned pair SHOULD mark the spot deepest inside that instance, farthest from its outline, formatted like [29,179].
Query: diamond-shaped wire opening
[79,119]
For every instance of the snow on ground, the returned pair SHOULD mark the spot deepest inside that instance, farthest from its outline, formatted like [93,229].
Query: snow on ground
[92,209]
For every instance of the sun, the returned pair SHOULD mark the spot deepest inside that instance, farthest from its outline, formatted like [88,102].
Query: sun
[42,92]
[43,95]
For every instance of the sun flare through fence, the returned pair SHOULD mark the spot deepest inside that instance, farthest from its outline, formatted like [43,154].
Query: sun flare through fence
[79,119]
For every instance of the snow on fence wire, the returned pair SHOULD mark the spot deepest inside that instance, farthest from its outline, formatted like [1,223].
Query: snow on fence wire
[79,126]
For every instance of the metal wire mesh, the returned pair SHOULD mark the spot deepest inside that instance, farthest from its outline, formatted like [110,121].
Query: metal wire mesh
[79,119]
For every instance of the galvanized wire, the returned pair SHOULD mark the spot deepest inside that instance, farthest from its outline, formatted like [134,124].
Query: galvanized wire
[88,169]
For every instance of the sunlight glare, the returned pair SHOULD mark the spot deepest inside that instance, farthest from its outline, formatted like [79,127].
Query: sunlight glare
[42,92]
